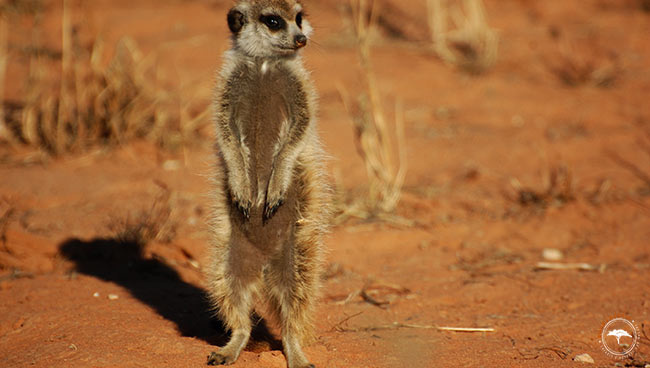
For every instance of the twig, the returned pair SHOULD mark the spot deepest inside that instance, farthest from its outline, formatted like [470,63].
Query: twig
[350,296]
[337,327]
[466,329]
[569,266]
[630,167]
[398,325]
[5,133]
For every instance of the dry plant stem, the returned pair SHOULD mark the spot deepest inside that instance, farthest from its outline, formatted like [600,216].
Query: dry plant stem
[474,43]
[465,329]
[568,266]
[631,167]
[65,108]
[373,139]
[398,325]
[5,133]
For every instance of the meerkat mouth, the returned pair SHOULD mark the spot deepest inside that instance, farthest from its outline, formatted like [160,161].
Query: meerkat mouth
[290,48]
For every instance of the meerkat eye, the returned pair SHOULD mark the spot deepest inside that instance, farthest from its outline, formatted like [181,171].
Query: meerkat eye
[299,19]
[274,22]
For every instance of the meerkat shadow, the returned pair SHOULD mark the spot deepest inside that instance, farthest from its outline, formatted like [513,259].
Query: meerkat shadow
[156,284]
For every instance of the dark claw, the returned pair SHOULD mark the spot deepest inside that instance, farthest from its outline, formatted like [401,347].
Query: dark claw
[216,359]
[270,210]
[244,209]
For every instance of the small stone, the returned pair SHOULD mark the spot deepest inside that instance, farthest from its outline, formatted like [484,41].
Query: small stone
[96,295]
[171,165]
[551,254]
[113,297]
[584,358]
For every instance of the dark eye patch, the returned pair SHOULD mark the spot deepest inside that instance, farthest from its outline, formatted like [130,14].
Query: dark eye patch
[299,19]
[274,22]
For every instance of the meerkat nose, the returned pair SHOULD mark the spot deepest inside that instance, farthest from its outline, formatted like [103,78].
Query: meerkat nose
[300,40]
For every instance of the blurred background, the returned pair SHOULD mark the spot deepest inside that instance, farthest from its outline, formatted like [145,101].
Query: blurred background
[491,161]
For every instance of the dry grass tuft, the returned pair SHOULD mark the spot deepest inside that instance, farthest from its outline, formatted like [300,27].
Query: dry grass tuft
[461,35]
[583,62]
[87,102]
[383,153]
[557,191]
[155,224]
[6,216]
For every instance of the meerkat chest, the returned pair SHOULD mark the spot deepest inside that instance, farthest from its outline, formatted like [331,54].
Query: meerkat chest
[267,103]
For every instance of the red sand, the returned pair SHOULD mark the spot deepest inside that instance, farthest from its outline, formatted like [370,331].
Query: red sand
[469,261]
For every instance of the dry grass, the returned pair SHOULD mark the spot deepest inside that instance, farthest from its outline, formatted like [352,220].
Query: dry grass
[557,190]
[383,152]
[6,216]
[461,35]
[87,102]
[153,224]
[583,62]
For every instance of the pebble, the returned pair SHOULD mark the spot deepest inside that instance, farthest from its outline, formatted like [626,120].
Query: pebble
[96,295]
[171,165]
[584,358]
[113,297]
[552,254]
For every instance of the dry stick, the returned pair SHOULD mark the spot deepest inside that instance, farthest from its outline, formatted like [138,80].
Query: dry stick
[466,329]
[337,327]
[5,133]
[569,266]
[398,325]
[630,167]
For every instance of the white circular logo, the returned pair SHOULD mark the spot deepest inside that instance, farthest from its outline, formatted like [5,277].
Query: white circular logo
[619,337]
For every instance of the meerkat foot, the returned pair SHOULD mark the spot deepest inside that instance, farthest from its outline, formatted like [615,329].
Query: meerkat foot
[229,353]
[219,359]
[295,357]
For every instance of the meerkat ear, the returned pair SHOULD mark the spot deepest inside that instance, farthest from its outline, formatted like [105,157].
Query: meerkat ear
[236,20]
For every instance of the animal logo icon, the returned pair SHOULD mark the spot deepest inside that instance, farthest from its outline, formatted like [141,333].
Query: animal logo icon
[618,333]
[619,338]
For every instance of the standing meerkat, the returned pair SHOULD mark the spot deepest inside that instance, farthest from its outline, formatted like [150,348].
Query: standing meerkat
[272,202]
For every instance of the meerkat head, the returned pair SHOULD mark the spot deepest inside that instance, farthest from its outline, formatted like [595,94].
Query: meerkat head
[268,28]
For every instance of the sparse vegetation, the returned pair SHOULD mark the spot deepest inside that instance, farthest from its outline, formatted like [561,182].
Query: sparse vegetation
[461,35]
[382,151]
[583,62]
[87,102]
[6,215]
[557,191]
[153,224]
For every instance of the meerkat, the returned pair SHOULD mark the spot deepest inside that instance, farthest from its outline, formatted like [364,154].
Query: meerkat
[272,201]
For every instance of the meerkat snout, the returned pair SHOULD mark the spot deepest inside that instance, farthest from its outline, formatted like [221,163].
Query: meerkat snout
[300,40]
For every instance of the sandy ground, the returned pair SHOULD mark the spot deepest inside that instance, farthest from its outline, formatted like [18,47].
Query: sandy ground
[479,149]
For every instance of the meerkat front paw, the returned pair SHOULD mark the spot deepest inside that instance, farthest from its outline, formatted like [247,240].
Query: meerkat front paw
[274,197]
[244,208]
[241,199]
[271,208]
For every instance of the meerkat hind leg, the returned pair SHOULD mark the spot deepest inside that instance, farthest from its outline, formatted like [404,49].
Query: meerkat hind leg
[236,311]
[229,353]
[292,302]
[293,351]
